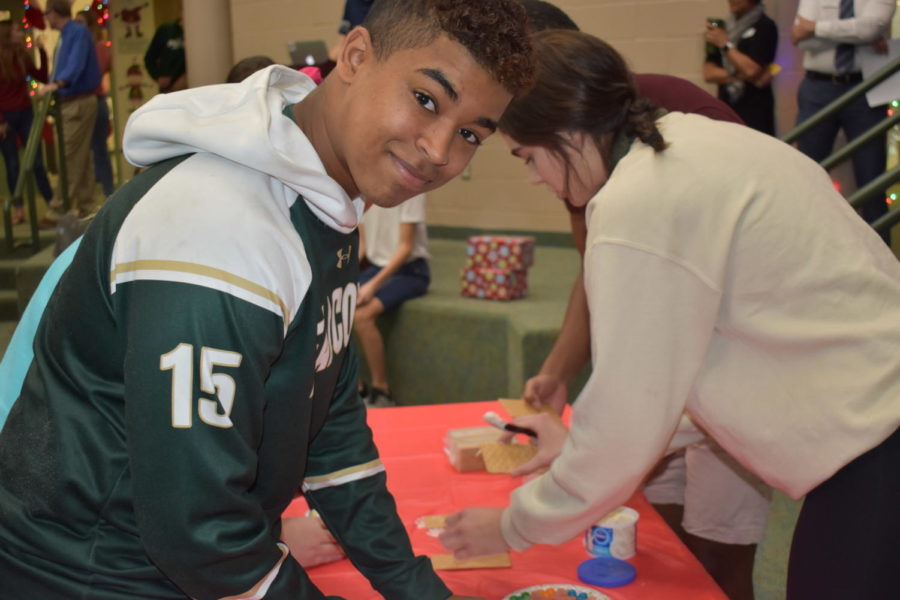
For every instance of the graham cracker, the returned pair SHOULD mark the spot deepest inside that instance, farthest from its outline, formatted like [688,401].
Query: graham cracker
[431,522]
[447,562]
[461,446]
[504,458]
[516,407]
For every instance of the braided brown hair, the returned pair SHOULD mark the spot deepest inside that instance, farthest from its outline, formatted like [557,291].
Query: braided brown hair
[581,84]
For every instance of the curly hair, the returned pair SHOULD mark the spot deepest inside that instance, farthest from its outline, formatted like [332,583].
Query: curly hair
[581,84]
[494,32]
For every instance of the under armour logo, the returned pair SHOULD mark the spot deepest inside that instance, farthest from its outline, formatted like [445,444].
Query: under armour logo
[344,257]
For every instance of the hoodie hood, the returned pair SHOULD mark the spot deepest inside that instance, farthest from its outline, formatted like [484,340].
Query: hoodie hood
[243,123]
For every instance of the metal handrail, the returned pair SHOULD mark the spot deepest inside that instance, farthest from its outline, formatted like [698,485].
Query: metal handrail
[874,187]
[851,94]
[885,222]
[877,186]
[852,146]
[26,176]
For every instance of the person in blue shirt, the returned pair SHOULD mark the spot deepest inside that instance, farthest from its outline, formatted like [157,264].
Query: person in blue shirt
[74,79]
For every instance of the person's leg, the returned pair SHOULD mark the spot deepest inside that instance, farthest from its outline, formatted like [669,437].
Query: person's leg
[10,150]
[371,342]
[18,126]
[664,489]
[102,164]
[812,96]
[726,509]
[846,542]
[870,161]
[410,281]
[78,123]
[40,174]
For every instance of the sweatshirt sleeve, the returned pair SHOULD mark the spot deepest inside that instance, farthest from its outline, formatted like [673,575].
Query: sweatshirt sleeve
[651,323]
[195,366]
[346,484]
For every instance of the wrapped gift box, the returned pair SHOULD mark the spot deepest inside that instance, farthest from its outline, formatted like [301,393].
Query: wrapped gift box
[494,284]
[500,252]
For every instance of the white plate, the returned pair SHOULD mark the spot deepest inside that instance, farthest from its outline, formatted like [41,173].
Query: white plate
[592,594]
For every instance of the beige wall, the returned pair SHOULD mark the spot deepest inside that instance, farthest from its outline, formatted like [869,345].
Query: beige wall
[661,36]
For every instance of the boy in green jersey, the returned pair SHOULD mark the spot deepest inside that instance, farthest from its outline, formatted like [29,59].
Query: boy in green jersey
[191,370]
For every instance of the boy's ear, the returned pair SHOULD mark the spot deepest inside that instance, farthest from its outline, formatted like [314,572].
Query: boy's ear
[356,51]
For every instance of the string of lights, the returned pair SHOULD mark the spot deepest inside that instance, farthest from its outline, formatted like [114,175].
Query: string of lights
[100,9]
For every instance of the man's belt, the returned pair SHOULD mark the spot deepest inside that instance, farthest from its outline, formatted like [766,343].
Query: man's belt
[843,78]
[63,99]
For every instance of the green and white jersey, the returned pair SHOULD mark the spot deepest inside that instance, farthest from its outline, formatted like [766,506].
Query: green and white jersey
[192,372]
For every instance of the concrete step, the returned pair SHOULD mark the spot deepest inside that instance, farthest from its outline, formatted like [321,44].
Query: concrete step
[6,332]
[9,305]
[8,274]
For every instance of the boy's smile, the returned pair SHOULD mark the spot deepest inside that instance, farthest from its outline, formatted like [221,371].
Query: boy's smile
[407,123]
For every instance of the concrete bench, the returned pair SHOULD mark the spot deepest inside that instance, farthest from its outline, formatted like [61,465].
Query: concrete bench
[443,347]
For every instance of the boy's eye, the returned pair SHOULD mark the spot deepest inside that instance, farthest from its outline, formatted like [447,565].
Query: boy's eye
[426,101]
[470,136]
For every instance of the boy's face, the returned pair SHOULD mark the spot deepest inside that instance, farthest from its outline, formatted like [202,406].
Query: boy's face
[413,120]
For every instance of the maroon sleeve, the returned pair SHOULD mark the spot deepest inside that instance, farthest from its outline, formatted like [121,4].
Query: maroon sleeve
[680,95]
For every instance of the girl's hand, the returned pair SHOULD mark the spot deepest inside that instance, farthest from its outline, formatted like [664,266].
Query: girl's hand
[474,532]
[551,435]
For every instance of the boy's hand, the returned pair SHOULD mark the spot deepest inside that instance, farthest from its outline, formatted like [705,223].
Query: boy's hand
[310,542]
[474,532]
[547,390]
[551,435]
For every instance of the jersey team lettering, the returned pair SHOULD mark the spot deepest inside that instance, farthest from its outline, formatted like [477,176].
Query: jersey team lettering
[332,335]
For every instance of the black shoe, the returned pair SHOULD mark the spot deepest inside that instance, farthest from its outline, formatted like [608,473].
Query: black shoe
[379,399]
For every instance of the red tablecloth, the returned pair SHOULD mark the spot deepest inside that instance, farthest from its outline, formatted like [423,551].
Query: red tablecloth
[410,440]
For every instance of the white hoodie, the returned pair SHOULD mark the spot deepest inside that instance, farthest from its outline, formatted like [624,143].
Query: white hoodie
[243,123]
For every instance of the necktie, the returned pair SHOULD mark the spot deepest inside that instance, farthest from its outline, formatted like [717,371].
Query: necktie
[843,54]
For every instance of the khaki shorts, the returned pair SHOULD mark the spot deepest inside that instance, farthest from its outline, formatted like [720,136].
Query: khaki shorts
[723,502]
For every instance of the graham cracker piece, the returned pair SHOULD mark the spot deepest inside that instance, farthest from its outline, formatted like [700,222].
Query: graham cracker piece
[504,458]
[431,521]
[516,407]
[461,446]
[447,562]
